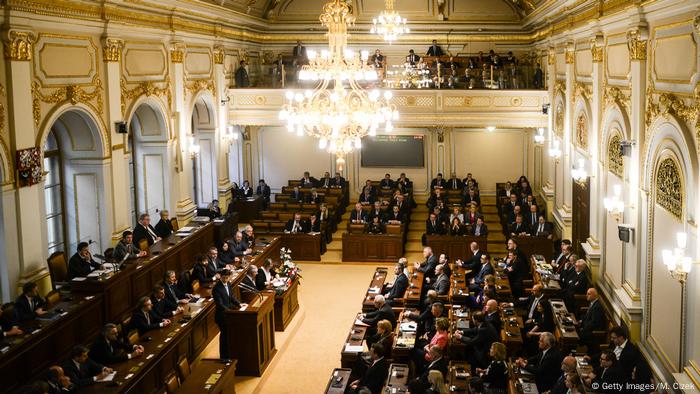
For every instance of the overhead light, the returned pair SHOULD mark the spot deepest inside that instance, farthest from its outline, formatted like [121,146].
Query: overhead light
[579,173]
[539,137]
[491,129]
[389,24]
[615,205]
[554,151]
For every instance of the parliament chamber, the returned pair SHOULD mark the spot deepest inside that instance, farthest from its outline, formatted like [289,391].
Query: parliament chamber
[349,196]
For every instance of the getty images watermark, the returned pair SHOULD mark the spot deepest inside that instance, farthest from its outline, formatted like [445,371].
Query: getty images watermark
[642,386]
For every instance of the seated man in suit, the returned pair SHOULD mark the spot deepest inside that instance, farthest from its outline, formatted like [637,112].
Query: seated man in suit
[386,183]
[295,225]
[454,183]
[532,217]
[58,381]
[109,349]
[173,294]
[486,268]
[338,180]
[545,364]
[326,181]
[367,196]
[307,180]
[471,197]
[398,288]
[478,340]
[376,211]
[29,304]
[238,246]
[608,375]
[265,276]
[249,236]
[161,307]
[81,370]
[511,204]
[434,198]
[438,363]
[248,284]
[144,319]
[375,376]
[442,281]
[296,195]
[593,320]
[225,300]
[395,216]
[263,190]
[438,182]
[427,266]
[493,315]
[9,325]
[314,197]
[358,215]
[383,311]
[426,319]
[164,227]
[480,229]
[213,256]
[542,229]
[144,230]
[81,263]
[203,271]
[313,225]
[519,228]
[434,226]
[529,304]
[126,249]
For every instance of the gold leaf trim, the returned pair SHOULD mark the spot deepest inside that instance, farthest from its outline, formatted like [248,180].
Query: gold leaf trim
[636,46]
[616,164]
[73,93]
[669,187]
[19,45]
[148,89]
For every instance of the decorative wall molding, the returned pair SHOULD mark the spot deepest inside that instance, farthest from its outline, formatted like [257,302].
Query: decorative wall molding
[73,93]
[615,161]
[614,96]
[636,46]
[147,89]
[596,51]
[581,131]
[19,45]
[570,56]
[112,49]
[219,55]
[669,187]
[192,87]
[669,104]
[583,90]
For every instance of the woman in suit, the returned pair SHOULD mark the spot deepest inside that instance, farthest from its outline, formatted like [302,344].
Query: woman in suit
[246,191]
[226,255]
[375,227]
[456,227]
[494,378]
[544,322]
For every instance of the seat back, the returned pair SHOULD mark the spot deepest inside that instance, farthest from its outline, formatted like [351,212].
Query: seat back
[133,337]
[53,297]
[277,227]
[58,268]
[260,226]
[183,366]
[393,229]
[143,244]
[285,217]
[171,383]
[356,228]
[269,215]
[195,286]
[175,224]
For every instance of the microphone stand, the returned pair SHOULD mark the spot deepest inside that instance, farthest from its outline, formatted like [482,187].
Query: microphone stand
[251,289]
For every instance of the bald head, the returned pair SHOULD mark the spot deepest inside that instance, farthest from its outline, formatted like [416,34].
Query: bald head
[568,364]
[591,294]
[537,290]
[491,306]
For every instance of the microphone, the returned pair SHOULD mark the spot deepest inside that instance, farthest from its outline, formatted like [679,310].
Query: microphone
[251,289]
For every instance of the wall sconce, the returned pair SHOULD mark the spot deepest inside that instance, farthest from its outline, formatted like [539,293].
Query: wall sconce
[539,137]
[231,136]
[491,129]
[678,264]
[579,173]
[555,151]
[193,147]
[225,101]
[615,205]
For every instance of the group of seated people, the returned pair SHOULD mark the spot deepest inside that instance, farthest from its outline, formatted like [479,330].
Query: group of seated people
[454,207]
[553,369]
[389,203]
[520,213]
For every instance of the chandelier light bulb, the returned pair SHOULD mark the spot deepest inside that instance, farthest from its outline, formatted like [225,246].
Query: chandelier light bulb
[681,240]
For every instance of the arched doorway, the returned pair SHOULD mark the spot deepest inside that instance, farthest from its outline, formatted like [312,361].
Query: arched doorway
[148,163]
[74,183]
[204,164]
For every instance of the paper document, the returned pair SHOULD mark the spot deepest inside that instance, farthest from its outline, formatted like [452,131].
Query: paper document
[107,378]
[79,279]
[187,229]
[354,349]
[408,327]
[359,322]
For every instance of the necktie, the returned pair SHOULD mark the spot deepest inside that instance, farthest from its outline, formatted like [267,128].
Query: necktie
[148,318]
[111,349]
[227,291]
[541,229]
[478,231]
[31,303]
[172,292]
[151,233]
[532,308]
[454,184]
[534,218]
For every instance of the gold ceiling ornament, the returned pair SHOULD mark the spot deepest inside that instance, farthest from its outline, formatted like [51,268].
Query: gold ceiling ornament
[195,86]
[389,24]
[613,95]
[219,55]
[669,187]
[112,49]
[148,89]
[596,51]
[74,94]
[636,46]
[668,103]
[19,45]
[583,90]
[616,163]
[338,112]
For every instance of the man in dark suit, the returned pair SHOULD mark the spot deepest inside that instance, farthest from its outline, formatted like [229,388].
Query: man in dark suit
[426,319]
[545,364]
[295,225]
[58,381]
[532,216]
[593,320]
[239,247]
[568,365]
[473,261]
[476,283]
[109,349]
[263,190]
[81,263]
[144,230]
[367,196]
[202,271]
[421,384]
[241,75]
[542,229]
[386,183]
[164,227]
[454,183]
[480,229]
[559,260]
[412,58]
[433,226]
[358,215]
[299,53]
[427,267]
[627,353]
[383,311]
[492,315]
[576,283]
[434,50]
[438,182]
[173,294]
[29,304]
[161,307]
[225,300]
[307,180]
[511,204]
[395,216]
[608,375]
[376,212]
[144,319]
[530,305]
[398,288]
[519,228]
[314,197]
[296,195]
[375,376]
[81,370]
[338,181]
[248,283]
[478,340]
[126,249]
[326,181]
[442,281]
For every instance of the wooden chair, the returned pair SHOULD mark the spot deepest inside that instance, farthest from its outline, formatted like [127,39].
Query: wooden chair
[269,215]
[133,337]
[171,383]
[277,227]
[175,224]
[260,226]
[183,366]
[393,229]
[53,297]
[356,228]
[195,287]
[143,244]
[58,269]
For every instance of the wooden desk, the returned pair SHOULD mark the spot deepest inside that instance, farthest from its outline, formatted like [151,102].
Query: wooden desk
[225,229]
[397,379]
[304,247]
[515,386]
[503,291]
[404,341]
[248,208]
[286,305]
[370,247]
[512,326]
[206,369]
[338,387]
[551,286]
[375,287]
[251,334]
[565,330]
[415,288]
[535,245]
[122,289]
[348,357]
[146,374]
[458,377]
[455,246]
[459,291]
[460,319]
[26,356]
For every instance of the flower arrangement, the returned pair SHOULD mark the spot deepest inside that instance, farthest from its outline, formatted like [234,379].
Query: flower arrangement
[287,273]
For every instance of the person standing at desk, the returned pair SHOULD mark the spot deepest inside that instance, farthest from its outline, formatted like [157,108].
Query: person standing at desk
[225,300]
[263,190]
[412,59]
[126,249]
[29,305]
[144,230]
[81,263]
[164,228]
[434,50]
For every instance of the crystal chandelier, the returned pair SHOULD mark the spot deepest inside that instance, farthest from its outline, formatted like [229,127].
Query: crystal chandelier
[389,23]
[339,112]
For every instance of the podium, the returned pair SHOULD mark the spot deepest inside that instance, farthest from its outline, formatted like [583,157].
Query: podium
[251,334]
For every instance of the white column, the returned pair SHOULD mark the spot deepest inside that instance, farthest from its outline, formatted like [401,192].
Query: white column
[548,162]
[568,148]
[222,165]
[183,187]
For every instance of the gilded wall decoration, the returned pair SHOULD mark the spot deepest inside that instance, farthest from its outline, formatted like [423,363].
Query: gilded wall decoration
[583,90]
[112,50]
[147,89]
[19,45]
[668,103]
[616,164]
[195,86]
[570,56]
[219,55]
[29,167]
[669,188]
[596,52]
[582,131]
[559,120]
[72,93]
[2,108]
[613,95]
[636,46]
[177,55]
